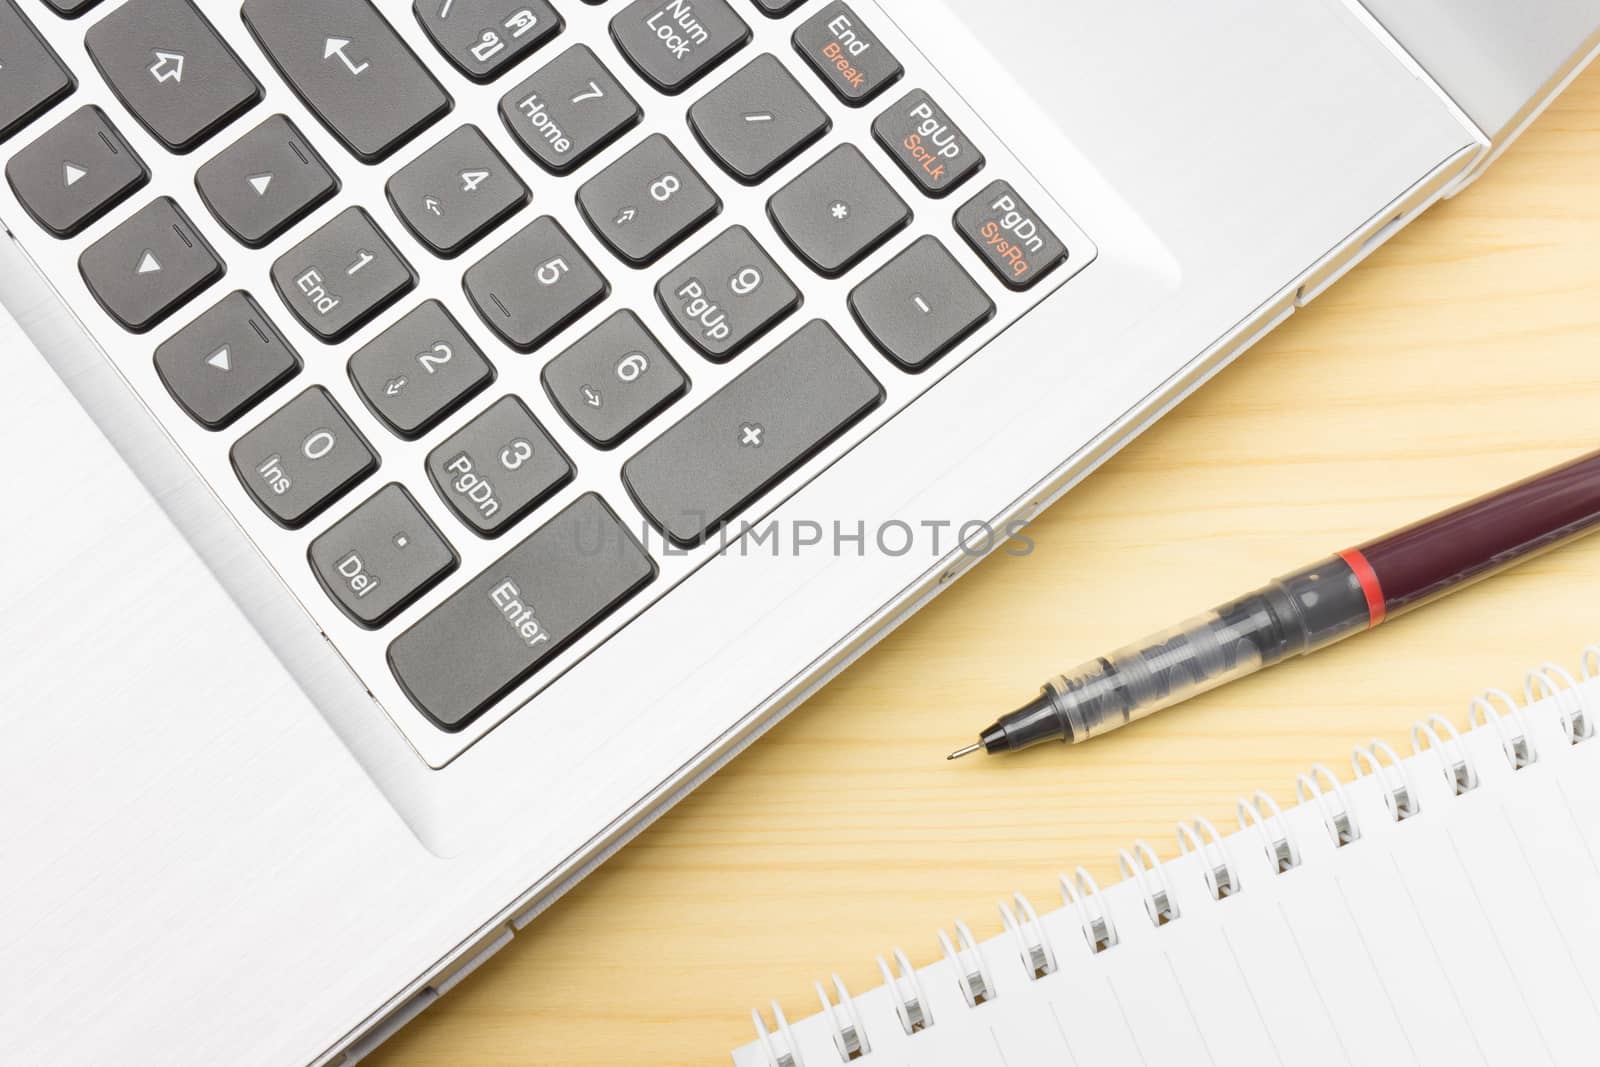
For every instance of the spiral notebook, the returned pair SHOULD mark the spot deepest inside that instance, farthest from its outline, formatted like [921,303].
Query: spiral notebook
[1442,908]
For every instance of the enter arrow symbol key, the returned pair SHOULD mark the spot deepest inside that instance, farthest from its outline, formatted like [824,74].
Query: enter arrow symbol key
[335,46]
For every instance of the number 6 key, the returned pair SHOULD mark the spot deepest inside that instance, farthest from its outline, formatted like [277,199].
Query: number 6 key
[616,378]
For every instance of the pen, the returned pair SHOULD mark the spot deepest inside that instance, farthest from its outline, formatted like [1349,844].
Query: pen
[1308,609]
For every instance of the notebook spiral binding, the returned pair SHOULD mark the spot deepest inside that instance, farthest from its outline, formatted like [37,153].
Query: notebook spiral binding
[1495,710]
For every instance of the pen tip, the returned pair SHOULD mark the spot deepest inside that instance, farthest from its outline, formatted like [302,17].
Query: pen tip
[969,750]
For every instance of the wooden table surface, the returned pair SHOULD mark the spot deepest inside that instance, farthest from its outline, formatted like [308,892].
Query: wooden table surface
[1463,355]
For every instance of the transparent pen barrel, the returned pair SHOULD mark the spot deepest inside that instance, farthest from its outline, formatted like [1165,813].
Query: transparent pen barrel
[1165,668]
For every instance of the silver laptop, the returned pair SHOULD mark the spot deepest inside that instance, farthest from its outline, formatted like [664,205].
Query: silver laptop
[451,432]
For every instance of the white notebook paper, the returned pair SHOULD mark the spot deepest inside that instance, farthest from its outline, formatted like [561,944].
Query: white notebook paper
[1440,909]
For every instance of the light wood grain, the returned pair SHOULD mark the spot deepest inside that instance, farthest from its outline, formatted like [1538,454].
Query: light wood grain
[1464,355]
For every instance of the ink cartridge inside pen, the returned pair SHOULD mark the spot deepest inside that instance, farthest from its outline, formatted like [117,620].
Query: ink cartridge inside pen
[1298,613]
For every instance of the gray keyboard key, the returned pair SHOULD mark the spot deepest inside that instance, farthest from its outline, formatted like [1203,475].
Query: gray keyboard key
[302,458]
[172,70]
[376,561]
[225,362]
[674,43]
[920,305]
[1010,237]
[929,147]
[350,67]
[568,110]
[150,265]
[76,172]
[614,380]
[525,609]
[455,192]
[32,78]
[647,201]
[846,54]
[498,467]
[341,276]
[535,285]
[419,370]
[484,38]
[775,9]
[757,430]
[265,182]
[727,295]
[838,211]
[70,9]
[757,120]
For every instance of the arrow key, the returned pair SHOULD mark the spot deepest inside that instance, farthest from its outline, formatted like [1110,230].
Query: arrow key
[265,182]
[76,172]
[225,362]
[419,370]
[613,380]
[456,192]
[172,70]
[150,265]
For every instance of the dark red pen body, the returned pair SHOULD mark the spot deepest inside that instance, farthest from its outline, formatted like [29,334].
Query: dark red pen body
[1424,561]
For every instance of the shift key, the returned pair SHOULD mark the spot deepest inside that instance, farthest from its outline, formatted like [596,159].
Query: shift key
[524,610]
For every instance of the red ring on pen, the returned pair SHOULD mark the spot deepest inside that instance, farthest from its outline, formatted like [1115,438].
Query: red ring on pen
[1371,588]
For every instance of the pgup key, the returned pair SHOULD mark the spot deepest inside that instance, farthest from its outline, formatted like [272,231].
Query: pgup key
[725,296]
[926,142]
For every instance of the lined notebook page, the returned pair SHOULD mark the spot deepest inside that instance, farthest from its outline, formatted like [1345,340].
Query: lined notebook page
[1458,923]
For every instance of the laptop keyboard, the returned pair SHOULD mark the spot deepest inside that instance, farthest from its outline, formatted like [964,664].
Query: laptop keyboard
[734,365]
